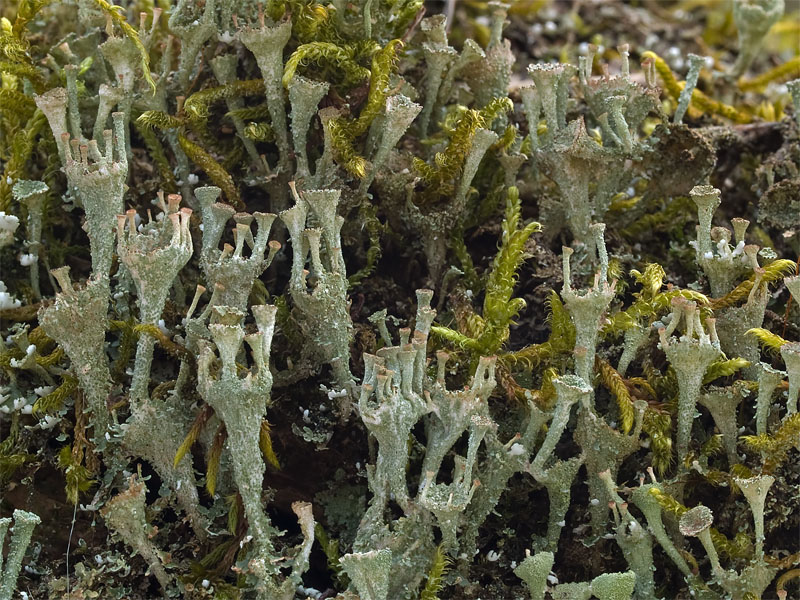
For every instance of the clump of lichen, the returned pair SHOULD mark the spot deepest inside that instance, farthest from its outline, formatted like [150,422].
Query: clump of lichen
[505,290]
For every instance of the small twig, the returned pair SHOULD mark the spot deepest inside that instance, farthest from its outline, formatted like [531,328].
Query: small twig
[789,303]
[69,542]
[23,313]
[410,31]
[449,13]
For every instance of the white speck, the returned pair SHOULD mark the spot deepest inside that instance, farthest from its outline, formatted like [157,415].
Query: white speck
[674,52]
[708,255]
[594,501]
[337,394]
[306,417]
[550,26]
[193,179]
[561,523]
[26,260]
[709,60]
[552,579]
[48,422]
[6,299]
[205,583]
[108,437]
[516,450]
[201,226]
[9,181]
[246,540]
[43,390]
[309,592]
[492,556]
[98,559]
[8,222]
[163,327]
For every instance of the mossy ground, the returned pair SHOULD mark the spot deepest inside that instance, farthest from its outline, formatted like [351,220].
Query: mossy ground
[732,156]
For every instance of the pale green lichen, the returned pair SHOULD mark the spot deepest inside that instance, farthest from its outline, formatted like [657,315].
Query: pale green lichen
[32,194]
[153,258]
[791,358]
[229,267]
[324,300]
[304,97]
[690,355]
[125,513]
[533,570]
[22,531]
[78,321]
[753,19]
[587,307]
[768,380]
[443,450]
[266,42]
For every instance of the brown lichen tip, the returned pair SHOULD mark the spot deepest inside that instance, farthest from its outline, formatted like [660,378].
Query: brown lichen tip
[133,493]
[696,520]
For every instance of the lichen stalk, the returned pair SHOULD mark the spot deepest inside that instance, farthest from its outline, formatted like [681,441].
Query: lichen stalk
[266,43]
[690,355]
